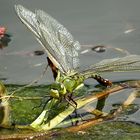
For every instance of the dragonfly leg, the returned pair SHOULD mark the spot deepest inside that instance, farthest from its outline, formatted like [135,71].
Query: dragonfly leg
[71,117]
[76,115]
[70,100]
[70,103]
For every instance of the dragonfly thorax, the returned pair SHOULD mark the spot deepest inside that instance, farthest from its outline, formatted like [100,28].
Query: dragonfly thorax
[65,85]
[72,82]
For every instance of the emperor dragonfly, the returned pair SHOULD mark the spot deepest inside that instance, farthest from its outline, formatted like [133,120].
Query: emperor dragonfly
[62,50]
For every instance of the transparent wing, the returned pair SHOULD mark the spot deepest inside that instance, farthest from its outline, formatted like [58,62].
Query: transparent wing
[124,64]
[70,46]
[30,20]
[62,49]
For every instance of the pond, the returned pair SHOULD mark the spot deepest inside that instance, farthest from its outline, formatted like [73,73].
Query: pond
[111,24]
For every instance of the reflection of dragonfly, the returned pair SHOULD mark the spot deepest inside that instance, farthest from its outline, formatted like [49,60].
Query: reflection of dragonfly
[62,52]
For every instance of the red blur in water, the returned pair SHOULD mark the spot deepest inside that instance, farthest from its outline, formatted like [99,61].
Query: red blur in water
[2,31]
[5,38]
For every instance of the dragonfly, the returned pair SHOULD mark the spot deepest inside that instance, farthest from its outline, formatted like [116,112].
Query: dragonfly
[63,57]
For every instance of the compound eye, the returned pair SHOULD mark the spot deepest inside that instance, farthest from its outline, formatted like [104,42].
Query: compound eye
[54,93]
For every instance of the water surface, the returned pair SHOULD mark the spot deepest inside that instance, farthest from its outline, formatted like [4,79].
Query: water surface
[109,23]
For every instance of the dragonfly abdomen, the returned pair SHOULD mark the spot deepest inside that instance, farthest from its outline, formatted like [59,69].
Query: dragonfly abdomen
[102,81]
[98,78]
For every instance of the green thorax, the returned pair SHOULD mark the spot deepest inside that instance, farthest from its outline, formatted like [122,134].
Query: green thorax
[65,84]
[71,82]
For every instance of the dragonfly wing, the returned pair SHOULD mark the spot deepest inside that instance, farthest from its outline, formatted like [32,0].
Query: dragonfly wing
[28,18]
[63,37]
[57,41]
[124,64]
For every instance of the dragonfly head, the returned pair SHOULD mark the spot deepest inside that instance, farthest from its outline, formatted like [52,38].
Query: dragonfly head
[57,90]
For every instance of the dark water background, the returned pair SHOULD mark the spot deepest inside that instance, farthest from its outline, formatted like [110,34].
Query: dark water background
[90,22]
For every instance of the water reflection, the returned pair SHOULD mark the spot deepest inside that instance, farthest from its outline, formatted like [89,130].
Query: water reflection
[5,37]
